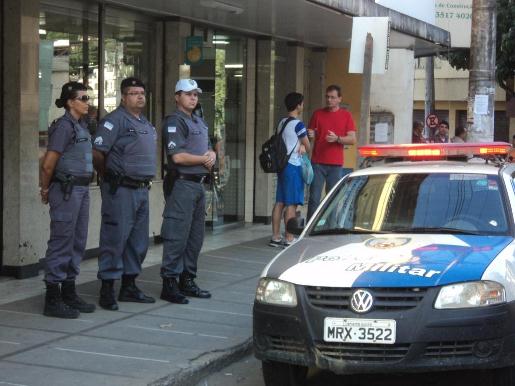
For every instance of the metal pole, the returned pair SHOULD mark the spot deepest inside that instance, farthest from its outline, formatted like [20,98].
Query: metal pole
[429,105]
[364,122]
[480,109]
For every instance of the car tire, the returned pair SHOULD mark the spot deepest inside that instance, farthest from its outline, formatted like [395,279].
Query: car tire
[283,374]
[504,376]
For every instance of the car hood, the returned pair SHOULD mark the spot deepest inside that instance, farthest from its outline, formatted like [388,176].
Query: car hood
[398,260]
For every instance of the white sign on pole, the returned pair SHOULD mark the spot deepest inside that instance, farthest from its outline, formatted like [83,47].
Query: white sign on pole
[379,27]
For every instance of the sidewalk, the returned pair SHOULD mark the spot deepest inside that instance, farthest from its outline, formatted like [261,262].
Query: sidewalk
[158,344]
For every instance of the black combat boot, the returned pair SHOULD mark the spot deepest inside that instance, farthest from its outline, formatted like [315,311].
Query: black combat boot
[107,299]
[73,300]
[171,292]
[130,293]
[188,287]
[54,305]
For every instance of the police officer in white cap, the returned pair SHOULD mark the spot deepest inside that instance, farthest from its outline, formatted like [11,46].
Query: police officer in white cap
[124,154]
[189,162]
[66,172]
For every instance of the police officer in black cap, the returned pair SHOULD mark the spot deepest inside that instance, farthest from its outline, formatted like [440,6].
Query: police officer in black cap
[66,172]
[190,159]
[124,152]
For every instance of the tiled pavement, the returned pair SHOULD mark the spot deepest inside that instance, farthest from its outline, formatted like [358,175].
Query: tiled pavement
[160,343]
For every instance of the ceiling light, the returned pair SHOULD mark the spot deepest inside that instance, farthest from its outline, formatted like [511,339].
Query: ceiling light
[42,31]
[62,43]
[234,66]
[222,42]
[215,4]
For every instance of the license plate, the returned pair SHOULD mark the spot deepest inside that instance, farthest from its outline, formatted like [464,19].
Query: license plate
[359,330]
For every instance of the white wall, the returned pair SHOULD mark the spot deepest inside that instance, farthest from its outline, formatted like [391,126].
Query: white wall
[393,92]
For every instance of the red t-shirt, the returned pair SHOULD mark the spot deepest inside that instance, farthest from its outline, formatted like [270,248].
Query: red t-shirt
[339,122]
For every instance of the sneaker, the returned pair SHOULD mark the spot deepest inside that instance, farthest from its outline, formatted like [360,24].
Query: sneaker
[276,243]
[287,243]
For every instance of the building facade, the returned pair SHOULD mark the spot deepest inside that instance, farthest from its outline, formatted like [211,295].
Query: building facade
[246,57]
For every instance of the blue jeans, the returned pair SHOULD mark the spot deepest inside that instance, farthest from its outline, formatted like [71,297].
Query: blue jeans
[328,174]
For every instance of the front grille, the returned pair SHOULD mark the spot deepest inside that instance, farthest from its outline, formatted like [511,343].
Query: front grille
[385,299]
[449,349]
[363,352]
[286,343]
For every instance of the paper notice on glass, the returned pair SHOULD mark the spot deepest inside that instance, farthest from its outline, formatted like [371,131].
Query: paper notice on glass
[381,132]
[481,104]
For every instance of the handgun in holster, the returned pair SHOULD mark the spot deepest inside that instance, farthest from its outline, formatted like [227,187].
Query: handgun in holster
[67,181]
[114,181]
[169,181]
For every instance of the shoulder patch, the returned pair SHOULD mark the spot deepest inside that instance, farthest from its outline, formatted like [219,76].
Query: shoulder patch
[99,141]
[108,125]
[172,129]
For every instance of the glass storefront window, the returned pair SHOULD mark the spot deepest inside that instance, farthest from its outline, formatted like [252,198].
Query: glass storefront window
[220,74]
[128,51]
[68,51]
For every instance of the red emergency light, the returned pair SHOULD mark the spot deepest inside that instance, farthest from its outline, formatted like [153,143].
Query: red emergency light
[435,150]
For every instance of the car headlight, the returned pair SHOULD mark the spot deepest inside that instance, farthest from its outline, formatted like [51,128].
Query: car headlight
[472,294]
[272,291]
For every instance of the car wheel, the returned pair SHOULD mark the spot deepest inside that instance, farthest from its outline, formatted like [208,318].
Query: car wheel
[283,374]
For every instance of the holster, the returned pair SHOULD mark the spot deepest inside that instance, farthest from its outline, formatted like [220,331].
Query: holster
[169,181]
[67,182]
[114,181]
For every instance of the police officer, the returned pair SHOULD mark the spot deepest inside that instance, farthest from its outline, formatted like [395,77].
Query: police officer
[66,172]
[124,154]
[190,159]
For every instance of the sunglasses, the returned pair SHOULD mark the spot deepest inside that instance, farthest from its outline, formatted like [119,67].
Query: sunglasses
[83,98]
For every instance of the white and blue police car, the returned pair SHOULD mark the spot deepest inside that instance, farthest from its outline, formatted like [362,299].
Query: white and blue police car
[408,265]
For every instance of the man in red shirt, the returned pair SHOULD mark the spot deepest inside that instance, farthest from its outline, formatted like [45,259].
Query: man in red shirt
[330,129]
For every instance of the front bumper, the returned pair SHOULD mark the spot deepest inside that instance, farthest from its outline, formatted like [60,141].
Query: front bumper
[427,339]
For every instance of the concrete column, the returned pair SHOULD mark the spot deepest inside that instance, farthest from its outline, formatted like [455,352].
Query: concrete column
[23,240]
[175,32]
[317,81]
[265,125]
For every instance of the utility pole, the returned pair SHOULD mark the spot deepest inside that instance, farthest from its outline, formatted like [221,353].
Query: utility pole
[480,108]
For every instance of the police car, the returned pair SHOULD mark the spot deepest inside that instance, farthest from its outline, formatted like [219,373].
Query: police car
[408,265]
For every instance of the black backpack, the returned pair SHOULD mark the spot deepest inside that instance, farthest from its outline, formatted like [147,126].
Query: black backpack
[274,154]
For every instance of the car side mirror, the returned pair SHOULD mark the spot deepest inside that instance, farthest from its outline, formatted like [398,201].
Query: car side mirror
[295,225]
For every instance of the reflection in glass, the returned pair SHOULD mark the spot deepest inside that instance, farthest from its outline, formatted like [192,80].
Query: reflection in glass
[220,76]
[459,203]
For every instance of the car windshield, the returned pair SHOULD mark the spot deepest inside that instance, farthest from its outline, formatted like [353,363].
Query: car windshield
[460,203]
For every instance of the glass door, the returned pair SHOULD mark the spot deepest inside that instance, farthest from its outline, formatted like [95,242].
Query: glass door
[221,75]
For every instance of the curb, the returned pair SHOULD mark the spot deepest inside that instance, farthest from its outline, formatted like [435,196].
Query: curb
[205,365]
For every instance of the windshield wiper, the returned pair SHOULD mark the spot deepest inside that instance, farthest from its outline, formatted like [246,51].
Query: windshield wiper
[435,230]
[343,231]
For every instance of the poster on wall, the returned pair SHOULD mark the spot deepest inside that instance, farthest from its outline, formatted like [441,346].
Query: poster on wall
[193,50]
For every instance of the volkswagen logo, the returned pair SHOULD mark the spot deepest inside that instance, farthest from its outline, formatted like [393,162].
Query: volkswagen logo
[361,301]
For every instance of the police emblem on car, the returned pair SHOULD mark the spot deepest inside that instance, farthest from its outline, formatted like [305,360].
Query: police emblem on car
[361,301]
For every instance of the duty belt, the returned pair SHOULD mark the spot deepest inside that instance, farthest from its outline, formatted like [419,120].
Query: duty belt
[76,181]
[200,178]
[127,182]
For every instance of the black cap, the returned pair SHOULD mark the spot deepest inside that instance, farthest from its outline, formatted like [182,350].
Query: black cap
[131,82]
[69,91]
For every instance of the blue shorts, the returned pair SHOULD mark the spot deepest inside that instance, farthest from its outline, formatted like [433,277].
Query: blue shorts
[290,186]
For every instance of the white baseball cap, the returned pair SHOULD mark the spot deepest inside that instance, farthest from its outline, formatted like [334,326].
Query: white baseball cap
[187,85]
